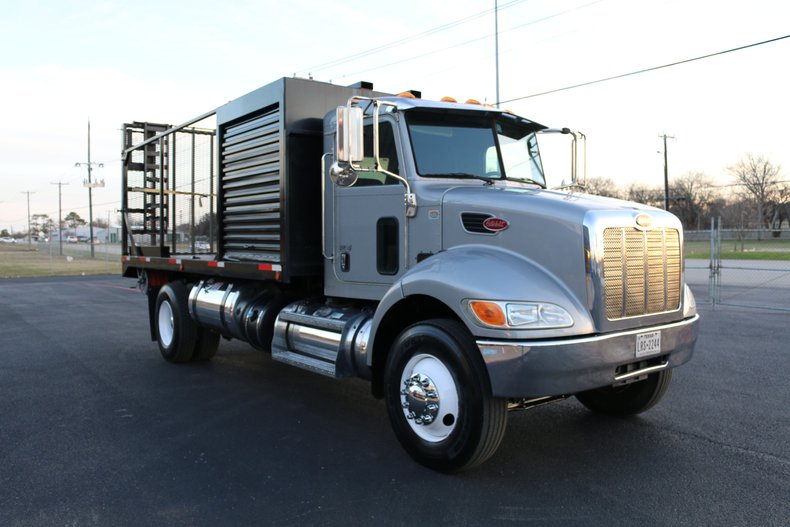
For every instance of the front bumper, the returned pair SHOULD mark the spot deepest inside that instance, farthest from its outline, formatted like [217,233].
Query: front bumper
[561,367]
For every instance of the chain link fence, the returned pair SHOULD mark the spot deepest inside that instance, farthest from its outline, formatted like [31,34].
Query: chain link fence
[741,267]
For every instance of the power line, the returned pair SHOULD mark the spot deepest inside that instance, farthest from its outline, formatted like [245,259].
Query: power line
[646,70]
[471,41]
[399,42]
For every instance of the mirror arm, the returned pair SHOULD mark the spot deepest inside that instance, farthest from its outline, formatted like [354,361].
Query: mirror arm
[323,206]
[574,154]
[410,199]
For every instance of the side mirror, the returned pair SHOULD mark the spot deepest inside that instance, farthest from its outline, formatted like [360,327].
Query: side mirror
[349,136]
[343,174]
[575,136]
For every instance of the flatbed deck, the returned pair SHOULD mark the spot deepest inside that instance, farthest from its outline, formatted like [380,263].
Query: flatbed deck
[205,265]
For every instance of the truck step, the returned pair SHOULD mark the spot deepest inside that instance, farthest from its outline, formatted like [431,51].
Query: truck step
[306,362]
[330,340]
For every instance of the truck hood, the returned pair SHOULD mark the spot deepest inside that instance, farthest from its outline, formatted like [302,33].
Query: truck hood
[544,226]
[552,204]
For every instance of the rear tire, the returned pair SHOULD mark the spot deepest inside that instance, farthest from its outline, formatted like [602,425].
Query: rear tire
[439,399]
[176,332]
[206,345]
[630,399]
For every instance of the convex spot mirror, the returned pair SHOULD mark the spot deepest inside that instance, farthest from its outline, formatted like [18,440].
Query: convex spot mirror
[342,174]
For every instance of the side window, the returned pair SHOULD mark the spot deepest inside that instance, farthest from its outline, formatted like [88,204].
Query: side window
[388,155]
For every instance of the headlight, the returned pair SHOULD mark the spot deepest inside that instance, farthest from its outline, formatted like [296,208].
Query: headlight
[689,303]
[519,315]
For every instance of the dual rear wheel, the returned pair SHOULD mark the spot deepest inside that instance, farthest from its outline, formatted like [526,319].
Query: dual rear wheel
[180,339]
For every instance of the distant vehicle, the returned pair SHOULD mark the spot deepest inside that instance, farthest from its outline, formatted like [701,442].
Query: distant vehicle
[82,239]
[72,239]
[7,239]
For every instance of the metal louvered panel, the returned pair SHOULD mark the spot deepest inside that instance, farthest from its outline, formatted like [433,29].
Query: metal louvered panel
[251,174]
[473,222]
[641,271]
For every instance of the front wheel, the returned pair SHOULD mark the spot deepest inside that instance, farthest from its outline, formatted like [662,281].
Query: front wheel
[629,399]
[439,397]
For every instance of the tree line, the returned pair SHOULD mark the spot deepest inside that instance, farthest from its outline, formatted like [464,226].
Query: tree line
[43,225]
[759,198]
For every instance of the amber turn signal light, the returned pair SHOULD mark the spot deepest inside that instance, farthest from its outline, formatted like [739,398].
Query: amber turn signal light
[488,312]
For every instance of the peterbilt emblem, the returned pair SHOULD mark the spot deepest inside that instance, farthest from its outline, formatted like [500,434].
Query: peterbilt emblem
[644,220]
[495,224]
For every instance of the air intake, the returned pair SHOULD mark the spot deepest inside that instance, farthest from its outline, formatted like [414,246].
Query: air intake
[473,222]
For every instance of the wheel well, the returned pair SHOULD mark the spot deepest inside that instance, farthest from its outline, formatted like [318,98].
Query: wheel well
[153,283]
[408,311]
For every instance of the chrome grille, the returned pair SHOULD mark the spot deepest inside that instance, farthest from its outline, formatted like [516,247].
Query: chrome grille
[641,271]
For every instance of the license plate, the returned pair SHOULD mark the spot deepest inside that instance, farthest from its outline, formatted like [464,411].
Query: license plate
[648,343]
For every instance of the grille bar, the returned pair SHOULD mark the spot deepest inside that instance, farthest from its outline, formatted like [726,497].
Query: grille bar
[641,271]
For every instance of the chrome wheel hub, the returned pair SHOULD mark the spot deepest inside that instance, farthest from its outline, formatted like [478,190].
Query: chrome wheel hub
[429,397]
[422,399]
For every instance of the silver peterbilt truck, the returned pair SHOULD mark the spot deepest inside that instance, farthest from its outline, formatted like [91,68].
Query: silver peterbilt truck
[408,242]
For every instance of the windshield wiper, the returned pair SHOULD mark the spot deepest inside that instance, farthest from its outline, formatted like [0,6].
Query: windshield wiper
[526,180]
[487,180]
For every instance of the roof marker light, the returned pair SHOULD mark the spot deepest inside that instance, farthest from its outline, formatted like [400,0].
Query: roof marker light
[447,99]
[473,101]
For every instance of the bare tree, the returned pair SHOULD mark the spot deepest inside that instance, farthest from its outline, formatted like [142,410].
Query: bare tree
[641,193]
[760,178]
[602,186]
[690,198]
[780,205]
[734,214]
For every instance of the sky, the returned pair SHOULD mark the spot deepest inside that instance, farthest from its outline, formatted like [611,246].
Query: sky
[65,62]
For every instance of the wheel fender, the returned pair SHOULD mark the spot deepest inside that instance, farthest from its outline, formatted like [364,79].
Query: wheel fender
[489,273]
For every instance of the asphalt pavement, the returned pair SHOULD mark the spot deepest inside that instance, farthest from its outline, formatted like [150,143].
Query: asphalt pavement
[96,429]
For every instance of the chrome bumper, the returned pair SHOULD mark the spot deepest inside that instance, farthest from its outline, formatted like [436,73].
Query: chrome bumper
[560,367]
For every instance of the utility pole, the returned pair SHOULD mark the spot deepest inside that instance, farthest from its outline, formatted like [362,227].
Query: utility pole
[496,47]
[666,171]
[29,236]
[90,184]
[60,216]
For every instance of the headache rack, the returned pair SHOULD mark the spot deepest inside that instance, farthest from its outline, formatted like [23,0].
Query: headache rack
[233,192]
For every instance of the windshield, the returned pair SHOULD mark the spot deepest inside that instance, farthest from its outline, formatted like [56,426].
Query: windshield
[474,146]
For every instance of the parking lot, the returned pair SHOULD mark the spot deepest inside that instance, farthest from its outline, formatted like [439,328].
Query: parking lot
[96,429]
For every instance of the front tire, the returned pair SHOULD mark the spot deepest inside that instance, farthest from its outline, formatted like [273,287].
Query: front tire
[439,398]
[176,332]
[630,399]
